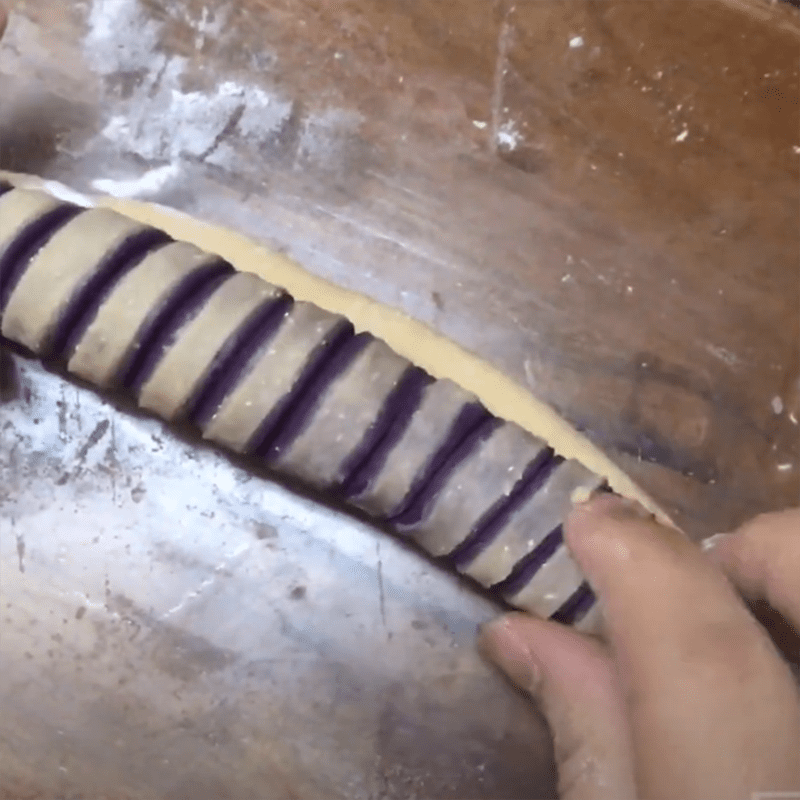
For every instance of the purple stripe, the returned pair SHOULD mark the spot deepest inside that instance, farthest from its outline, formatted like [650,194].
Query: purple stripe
[83,306]
[231,362]
[28,242]
[287,417]
[530,564]
[302,410]
[491,524]
[473,425]
[160,330]
[576,606]
[5,187]
[369,457]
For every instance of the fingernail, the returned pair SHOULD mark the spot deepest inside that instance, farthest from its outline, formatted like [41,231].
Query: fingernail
[503,646]
[712,541]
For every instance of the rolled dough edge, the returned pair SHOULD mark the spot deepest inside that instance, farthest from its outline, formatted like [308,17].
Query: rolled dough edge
[441,357]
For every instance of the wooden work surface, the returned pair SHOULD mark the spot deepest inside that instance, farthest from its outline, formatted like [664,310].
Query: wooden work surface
[600,198]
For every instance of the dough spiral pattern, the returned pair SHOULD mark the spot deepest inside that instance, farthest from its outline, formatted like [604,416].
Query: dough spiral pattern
[122,305]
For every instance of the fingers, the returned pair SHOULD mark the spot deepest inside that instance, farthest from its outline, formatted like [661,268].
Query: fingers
[762,559]
[573,680]
[714,711]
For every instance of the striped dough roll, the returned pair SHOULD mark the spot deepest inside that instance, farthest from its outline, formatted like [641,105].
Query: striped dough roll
[123,306]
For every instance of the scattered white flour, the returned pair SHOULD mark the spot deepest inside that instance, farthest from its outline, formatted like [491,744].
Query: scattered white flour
[576,41]
[224,156]
[148,184]
[68,195]
[508,136]
[108,51]
[264,115]
[731,359]
[777,405]
[207,28]
[160,122]
[325,135]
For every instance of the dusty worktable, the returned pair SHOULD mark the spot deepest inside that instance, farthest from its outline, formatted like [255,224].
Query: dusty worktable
[599,198]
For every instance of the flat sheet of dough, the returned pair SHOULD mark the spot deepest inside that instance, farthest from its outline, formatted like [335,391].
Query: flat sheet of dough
[411,338]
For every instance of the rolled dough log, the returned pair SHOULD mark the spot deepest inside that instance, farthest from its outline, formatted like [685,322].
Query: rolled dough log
[545,505]
[344,417]
[480,473]
[25,226]
[242,415]
[187,359]
[85,251]
[414,449]
[458,507]
[99,357]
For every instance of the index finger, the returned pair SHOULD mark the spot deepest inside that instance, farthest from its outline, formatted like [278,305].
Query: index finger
[704,683]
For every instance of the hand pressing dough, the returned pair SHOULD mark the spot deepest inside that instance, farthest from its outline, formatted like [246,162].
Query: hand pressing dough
[296,385]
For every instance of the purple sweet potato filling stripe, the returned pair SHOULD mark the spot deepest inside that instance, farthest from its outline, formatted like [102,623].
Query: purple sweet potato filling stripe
[159,331]
[490,525]
[5,187]
[576,606]
[530,564]
[473,424]
[369,457]
[309,392]
[230,363]
[82,307]
[284,421]
[32,238]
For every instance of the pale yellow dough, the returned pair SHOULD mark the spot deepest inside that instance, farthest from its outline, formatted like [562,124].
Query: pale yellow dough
[441,357]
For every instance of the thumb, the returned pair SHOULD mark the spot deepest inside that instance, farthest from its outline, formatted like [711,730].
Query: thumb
[571,677]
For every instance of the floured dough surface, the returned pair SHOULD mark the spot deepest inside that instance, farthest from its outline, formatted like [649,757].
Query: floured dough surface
[458,506]
[189,357]
[98,357]
[344,416]
[270,377]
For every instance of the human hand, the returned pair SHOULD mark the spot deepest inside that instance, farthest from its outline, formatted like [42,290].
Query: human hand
[689,697]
